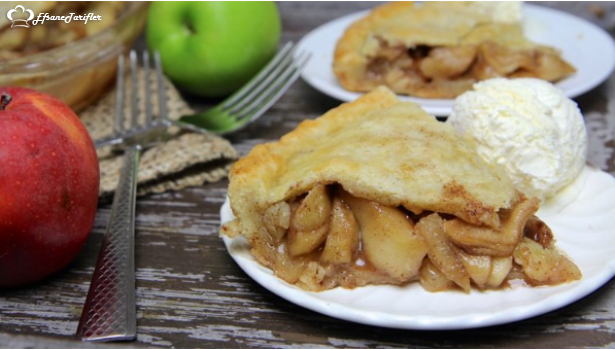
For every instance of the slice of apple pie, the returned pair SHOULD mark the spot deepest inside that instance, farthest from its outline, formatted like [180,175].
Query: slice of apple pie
[439,49]
[377,191]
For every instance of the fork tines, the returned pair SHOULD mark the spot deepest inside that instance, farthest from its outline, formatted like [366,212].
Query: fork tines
[264,89]
[125,128]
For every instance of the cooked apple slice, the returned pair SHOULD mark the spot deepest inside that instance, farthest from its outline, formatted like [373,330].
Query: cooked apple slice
[550,65]
[488,241]
[343,239]
[501,266]
[302,242]
[477,266]
[506,60]
[432,279]
[441,251]
[536,230]
[287,267]
[447,62]
[277,219]
[388,238]
[314,211]
[544,265]
[309,224]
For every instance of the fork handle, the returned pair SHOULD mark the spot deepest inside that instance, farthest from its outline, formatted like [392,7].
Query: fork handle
[109,313]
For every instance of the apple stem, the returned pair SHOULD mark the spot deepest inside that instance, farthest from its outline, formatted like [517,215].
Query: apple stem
[5,100]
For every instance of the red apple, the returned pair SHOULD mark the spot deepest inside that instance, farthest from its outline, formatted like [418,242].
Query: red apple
[49,182]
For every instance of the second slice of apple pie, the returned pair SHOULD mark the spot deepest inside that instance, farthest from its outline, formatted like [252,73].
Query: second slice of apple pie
[439,49]
[377,191]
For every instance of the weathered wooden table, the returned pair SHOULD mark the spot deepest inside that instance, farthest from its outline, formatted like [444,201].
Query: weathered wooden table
[190,293]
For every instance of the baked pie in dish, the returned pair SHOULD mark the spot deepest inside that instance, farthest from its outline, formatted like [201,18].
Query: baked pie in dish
[439,49]
[377,191]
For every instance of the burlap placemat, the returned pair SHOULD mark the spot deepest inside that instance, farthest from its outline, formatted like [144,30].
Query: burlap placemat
[186,159]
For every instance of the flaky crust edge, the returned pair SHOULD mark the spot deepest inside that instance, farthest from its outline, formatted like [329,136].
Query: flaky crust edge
[349,66]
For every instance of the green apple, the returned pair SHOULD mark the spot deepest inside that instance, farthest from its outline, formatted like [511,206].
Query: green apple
[212,48]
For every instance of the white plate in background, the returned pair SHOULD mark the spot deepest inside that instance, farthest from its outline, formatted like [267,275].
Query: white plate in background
[586,46]
[584,230]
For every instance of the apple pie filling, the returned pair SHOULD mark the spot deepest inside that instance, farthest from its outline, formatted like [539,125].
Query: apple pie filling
[328,237]
[447,71]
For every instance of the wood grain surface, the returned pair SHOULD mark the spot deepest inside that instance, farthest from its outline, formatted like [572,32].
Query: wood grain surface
[190,293]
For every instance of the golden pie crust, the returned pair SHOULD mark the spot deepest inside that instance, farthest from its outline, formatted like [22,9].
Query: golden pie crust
[377,191]
[438,50]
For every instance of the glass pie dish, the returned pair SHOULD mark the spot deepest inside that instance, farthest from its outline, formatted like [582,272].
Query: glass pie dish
[79,71]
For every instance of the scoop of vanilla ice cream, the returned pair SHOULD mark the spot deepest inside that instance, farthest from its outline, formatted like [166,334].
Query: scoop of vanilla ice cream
[499,11]
[529,127]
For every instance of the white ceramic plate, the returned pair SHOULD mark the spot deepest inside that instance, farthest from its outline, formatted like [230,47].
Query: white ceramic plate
[584,229]
[587,47]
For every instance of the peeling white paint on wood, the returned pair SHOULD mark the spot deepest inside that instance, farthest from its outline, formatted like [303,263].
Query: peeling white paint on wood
[191,294]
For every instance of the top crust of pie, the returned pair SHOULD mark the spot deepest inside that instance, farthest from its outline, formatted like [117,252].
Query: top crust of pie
[376,148]
[409,24]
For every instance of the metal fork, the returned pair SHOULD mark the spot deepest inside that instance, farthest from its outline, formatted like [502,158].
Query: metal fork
[109,313]
[252,100]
